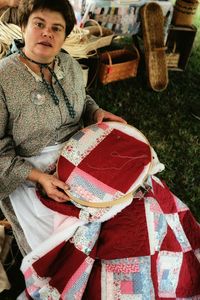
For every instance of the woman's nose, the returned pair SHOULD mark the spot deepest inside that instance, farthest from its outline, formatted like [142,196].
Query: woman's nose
[47,32]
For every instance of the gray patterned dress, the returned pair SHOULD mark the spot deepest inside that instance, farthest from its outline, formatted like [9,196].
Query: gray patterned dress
[29,119]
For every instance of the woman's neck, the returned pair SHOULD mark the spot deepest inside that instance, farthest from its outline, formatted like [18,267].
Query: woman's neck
[35,67]
[35,59]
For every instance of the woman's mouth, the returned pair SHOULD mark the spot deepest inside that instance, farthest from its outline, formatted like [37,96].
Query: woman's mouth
[46,44]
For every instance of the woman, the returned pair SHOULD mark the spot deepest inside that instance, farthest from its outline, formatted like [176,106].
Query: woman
[43,99]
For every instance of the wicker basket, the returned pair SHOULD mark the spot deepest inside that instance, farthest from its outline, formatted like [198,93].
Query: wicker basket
[154,49]
[77,35]
[172,58]
[84,42]
[78,43]
[118,65]
[103,34]
[184,12]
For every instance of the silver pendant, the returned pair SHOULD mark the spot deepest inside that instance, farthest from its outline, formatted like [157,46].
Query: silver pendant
[38,97]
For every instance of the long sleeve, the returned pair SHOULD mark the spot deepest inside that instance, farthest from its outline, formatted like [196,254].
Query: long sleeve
[13,168]
[26,126]
[90,108]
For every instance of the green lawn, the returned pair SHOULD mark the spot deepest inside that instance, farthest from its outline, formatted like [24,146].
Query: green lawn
[166,121]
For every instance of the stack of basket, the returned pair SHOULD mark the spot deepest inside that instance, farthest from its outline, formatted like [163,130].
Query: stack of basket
[184,12]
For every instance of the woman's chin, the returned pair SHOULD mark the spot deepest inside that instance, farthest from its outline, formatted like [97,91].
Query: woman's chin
[45,53]
[45,56]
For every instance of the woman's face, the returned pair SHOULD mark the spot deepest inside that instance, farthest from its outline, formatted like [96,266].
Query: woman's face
[44,35]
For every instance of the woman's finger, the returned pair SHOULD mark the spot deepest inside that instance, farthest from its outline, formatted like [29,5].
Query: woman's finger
[58,195]
[60,184]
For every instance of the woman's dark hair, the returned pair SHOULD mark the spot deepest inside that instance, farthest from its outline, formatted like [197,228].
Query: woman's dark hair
[27,7]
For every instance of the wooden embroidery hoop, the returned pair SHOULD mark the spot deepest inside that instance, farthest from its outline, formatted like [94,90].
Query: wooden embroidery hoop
[130,194]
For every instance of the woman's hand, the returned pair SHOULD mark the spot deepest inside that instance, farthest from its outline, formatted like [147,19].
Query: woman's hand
[52,186]
[100,115]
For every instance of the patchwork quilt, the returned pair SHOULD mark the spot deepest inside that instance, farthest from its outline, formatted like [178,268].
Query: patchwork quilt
[147,247]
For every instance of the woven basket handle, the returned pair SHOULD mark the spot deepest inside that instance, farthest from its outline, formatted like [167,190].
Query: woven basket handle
[96,23]
[174,48]
[79,31]
[109,59]
[173,51]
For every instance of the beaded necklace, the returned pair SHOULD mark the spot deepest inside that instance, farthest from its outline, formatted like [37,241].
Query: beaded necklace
[49,86]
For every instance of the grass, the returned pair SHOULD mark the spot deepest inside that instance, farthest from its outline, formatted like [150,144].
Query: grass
[166,121]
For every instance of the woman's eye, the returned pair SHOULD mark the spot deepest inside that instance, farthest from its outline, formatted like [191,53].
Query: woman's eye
[56,28]
[39,24]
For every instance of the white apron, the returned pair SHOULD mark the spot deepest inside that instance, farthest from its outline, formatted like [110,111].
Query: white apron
[37,221]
